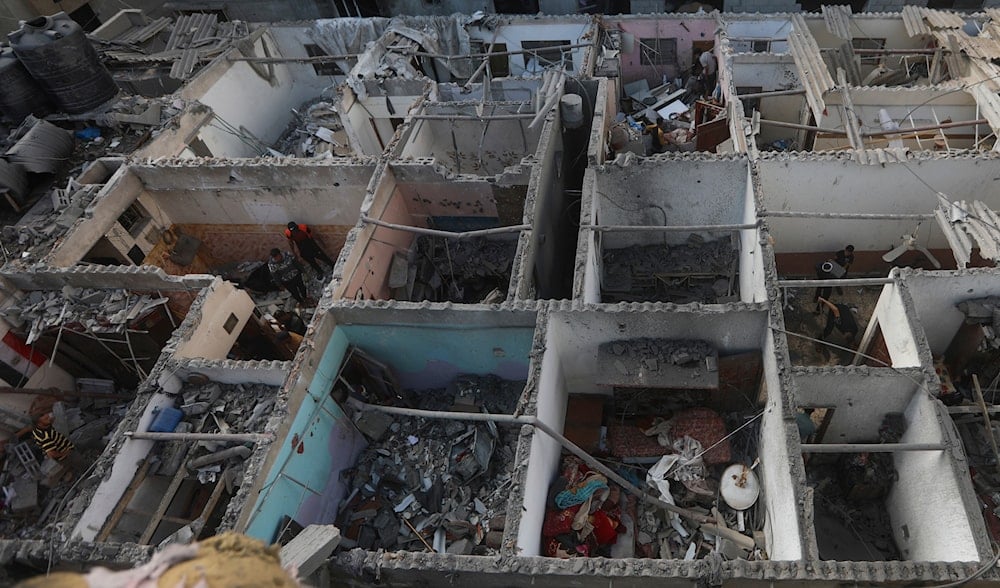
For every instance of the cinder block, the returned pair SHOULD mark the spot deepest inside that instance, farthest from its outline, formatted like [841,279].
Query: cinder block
[310,548]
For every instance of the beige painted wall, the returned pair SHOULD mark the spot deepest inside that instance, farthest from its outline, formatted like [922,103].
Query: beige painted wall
[210,340]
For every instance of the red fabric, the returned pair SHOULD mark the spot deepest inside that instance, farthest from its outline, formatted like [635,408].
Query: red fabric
[605,529]
[629,441]
[707,427]
[558,522]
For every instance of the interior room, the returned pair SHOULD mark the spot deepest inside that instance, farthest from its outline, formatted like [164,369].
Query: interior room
[902,503]
[162,215]
[822,205]
[761,72]
[371,118]
[658,50]
[756,33]
[161,491]
[864,57]
[396,481]
[644,392]
[394,256]
[453,135]
[877,111]
[678,264]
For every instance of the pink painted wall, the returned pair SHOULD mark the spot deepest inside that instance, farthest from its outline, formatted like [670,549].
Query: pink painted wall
[684,30]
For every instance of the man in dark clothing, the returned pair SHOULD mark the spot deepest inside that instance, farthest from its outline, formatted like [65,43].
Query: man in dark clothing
[291,322]
[286,271]
[300,237]
[840,317]
[844,258]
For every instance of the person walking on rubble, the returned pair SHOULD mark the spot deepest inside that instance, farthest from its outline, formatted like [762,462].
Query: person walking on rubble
[286,271]
[840,317]
[300,237]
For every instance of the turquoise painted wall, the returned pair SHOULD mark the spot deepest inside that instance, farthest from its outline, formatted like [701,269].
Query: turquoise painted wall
[305,480]
[432,356]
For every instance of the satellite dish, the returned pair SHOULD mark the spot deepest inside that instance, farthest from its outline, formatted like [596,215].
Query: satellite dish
[740,489]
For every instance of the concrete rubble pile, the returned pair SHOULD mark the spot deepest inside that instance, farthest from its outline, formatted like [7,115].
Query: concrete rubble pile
[700,271]
[467,271]
[210,407]
[31,237]
[430,484]
[654,354]
[97,311]
[850,492]
[32,485]
[318,132]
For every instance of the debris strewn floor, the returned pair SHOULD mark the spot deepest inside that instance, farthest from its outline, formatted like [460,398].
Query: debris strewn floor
[466,271]
[800,318]
[437,485]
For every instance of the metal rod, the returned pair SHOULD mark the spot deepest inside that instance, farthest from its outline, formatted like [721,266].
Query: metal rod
[844,215]
[472,116]
[667,228]
[220,437]
[893,51]
[58,392]
[986,419]
[801,127]
[870,447]
[446,234]
[834,282]
[947,125]
[793,92]
[535,422]
[315,59]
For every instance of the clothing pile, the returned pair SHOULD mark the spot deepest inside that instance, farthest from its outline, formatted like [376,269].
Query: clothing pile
[583,513]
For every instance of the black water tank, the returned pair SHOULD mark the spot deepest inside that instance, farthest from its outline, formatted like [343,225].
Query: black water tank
[56,52]
[19,94]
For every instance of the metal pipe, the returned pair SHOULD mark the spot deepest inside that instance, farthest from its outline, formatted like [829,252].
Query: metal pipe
[948,125]
[844,215]
[834,282]
[666,228]
[535,422]
[493,53]
[793,92]
[870,447]
[801,127]
[472,116]
[446,234]
[220,437]
[315,59]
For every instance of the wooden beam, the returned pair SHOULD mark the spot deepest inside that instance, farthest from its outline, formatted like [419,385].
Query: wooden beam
[120,508]
[168,497]
[973,409]
[206,512]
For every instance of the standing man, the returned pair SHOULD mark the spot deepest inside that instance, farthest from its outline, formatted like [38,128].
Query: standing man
[300,237]
[844,258]
[840,317]
[286,271]
[709,70]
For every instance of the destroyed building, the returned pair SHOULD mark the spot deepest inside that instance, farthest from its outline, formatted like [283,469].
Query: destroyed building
[550,334]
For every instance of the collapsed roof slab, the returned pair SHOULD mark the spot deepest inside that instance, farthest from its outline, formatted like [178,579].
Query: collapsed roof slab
[404,202]
[128,277]
[931,505]
[423,346]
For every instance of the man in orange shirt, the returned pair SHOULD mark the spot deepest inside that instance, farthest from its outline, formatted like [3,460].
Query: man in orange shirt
[301,239]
